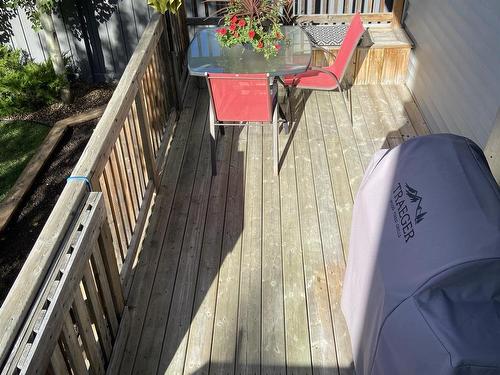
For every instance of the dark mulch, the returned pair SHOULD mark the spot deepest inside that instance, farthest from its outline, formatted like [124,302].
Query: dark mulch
[20,235]
[85,97]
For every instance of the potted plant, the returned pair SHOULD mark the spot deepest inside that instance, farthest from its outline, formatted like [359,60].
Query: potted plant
[253,23]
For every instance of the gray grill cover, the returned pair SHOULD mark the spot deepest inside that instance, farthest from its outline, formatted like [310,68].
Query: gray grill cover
[422,286]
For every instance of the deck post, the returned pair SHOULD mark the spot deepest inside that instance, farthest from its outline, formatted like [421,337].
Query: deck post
[146,140]
[167,56]
[174,58]
[397,11]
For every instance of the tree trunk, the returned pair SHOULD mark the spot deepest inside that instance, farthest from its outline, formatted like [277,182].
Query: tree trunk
[54,50]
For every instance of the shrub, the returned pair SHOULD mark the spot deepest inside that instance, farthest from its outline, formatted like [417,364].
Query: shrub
[25,85]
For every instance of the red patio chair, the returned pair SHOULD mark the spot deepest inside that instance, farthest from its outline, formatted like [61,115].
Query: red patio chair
[330,77]
[238,99]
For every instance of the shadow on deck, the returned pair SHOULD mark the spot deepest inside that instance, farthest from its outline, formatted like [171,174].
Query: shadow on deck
[242,272]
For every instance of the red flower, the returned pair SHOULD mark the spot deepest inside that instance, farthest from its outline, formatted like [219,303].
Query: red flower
[241,23]
[277,46]
[260,45]
[232,27]
[236,35]
[251,34]
[234,19]
[222,31]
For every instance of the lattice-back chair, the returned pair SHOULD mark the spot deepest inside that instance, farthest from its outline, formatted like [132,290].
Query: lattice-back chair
[241,99]
[330,77]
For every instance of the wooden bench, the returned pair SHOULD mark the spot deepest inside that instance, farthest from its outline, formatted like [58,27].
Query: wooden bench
[382,56]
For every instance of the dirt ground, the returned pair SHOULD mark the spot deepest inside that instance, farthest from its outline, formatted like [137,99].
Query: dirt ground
[20,235]
[17,239]
[86,97]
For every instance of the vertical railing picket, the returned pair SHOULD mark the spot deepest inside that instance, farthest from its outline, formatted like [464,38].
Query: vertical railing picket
[146,140]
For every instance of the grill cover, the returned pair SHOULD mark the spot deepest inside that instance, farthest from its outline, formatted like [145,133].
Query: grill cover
[422,286]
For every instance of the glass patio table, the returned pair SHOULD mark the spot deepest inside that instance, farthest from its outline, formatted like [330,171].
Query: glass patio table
[206,55]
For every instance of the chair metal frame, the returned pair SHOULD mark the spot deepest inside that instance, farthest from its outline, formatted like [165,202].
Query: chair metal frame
[273,116]
[337,79]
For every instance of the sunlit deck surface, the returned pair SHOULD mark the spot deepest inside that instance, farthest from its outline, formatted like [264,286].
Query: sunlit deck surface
[242,273]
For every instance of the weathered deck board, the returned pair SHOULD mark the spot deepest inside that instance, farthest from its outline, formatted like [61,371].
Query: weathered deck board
[361,133]
[338,170]
[226,314]
[330,233]
[377,132]
[318,307]
[273,319]
[411,108]
[298,354]
[201,328]
[384,113]
[402,122]
[349,147]
[242,273]
[250,300]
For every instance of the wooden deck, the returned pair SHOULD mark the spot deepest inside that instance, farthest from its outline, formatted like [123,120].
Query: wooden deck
[242,273]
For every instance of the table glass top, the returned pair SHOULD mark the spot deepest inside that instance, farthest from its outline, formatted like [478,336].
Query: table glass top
[206,55]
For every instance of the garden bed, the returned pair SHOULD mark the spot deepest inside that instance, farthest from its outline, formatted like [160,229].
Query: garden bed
[21,233]
[87,96]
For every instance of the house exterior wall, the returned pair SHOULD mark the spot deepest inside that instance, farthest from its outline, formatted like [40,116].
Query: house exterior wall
[454,70]
[99,37]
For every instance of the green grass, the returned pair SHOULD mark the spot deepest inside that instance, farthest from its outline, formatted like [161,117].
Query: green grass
[19,141]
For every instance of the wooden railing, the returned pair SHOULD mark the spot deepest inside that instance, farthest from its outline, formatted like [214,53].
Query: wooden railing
[83,291]
[198,10]
[66,307]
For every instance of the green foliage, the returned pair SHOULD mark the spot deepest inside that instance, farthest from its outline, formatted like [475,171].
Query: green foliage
[19,140]
[6,14]
[163,6]
[33,9]
[25,85]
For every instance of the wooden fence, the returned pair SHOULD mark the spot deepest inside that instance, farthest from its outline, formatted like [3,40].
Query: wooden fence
[98,37]
[66,307]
